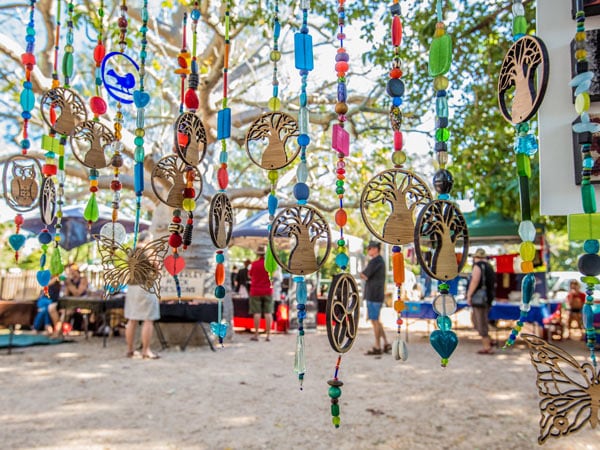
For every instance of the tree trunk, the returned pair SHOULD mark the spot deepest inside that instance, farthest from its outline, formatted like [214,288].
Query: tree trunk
[523,96]
[444,259]
[302,257]
[399,227]
[274,155]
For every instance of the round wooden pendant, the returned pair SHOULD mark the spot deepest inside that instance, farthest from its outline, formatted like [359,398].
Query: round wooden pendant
[48,201]
[267,138]
[168,180]
[300,239]
[526,60]
[220,222]
[342,312]
[90,142]
[441,228]
[20,180]
[389,203]
[62,110]
[190,138]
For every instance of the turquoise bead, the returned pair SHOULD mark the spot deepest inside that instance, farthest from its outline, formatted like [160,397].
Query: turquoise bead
[301,293]
[441,106]
[526,144]
[591,246]
[341,260]
[139,154]
[220,258]
[223,157]
[220,291]
[444,323]
[528,287]
[27,100]
[334,391]
[138,141]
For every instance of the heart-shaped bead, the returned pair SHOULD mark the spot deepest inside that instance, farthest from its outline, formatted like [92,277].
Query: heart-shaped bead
[444,342]
[141,98]
[219,329]
[16,241]
[43,277]
[174,265]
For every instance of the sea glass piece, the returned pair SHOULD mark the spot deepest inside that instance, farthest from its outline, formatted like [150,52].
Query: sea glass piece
[440,55]
[224,123]
[303,51]
[582,227]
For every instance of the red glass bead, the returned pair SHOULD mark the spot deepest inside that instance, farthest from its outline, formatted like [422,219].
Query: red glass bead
[182,61]
[175,240]
[399,322]
[190,175]
[398,144]
[395,73]
[98,105]
[189,192]
[220,274]
[341,50]
[222,178]
[341,171]
[396,31]
[190,221]
[52,115]
[341,66]
[115,185]
[99,53]
[182,139]
[176,219]
[191,99]
[19,219]
[94,189]
[341,218]
[28,59]
[122,22]
[49,169]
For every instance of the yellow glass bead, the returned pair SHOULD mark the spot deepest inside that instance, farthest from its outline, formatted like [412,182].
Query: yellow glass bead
[119,115]
[518,327]
[440,83]
[57,238]
[275,55]
[189,204]
[274,104]
[273,176]
[118,135]
[55,84]
[582,102]
[59,214]
[399,306]
[139,132]
[527,266]
[527,251]
[580,54]
[69,48]
[398,158]
[118,126]
[94,183]
[580,36]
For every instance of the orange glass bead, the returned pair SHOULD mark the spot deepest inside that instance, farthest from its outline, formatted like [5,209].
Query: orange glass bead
[527,266]
[395,73]
[341,218]
[398,267]
[220,274]
[399,306]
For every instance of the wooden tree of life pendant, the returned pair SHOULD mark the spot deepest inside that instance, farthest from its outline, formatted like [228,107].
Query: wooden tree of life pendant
[267,139]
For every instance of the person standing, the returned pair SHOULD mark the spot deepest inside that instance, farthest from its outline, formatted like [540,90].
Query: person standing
[141,306]
[261,294]
[242,280]
[482,284]
[575,300]
[374,276]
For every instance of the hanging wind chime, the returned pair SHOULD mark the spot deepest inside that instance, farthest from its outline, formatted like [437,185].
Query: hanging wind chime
[527,55]
[21,174]
[220,212]
[440,226]
[401,192]
[343,301]
[302,226]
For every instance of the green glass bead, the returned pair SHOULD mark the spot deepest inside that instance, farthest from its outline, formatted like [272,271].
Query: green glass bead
[274,104]
[440,55]
[398,158]
[334,391]
[139,154]
[519,25]
[335,409]
[522,127]
[56,264]
[527,251]
[275,56]
[444,286]
[582,102]
[525,199]
[273,176]
[339,183]
[442,134]
[100,12]
[270,263]
[339,191]
[590,280]
[588,198]
[341,242]
[582,227]
[523,165]
[91,212]
[336,421]
[67,65]
[440,83]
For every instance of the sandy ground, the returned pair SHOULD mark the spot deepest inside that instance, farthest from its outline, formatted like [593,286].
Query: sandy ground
[83,396]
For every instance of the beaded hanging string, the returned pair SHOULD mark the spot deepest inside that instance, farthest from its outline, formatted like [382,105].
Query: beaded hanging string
[343,306]
[525,143]
[141,100]
[582,226]
[221,212]
[22,196]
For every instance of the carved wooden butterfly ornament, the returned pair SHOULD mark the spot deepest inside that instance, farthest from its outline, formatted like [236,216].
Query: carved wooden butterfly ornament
[570,392]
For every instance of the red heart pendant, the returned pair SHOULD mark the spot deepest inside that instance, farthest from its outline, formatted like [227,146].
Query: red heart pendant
[174,265]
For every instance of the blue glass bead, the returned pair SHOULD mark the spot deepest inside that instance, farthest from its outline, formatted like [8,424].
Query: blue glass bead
[395,87]
[342,57]
[303,140]
[43,260]
[583,87]
[138,141]
[589,264]
[30,39]
[303,99]
[26,115]
[27,99]
[444,196]
[591,246]
[302,172]
[301,306]
[25,143]
[441,107]
[44,237]
[341,260]
[138,178]
[220,258]
[444,323]
[194,66]
[397,101]
[588,163]
[220,291]
[223,157]
[526,144]
[341,92]
[588,316]
[195,14]
[276,29]
[275,91]
[224,123]
[303,51]
[143,53]
[528,287]
[301,191]
[272,203]
[301,314]
[440,93]
[43,277]
[441,122]
[396,249]
[580,78]
[301,294]
[27,85]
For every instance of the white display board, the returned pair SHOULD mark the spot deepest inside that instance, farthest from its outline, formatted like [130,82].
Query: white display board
[191,282]
[559,195]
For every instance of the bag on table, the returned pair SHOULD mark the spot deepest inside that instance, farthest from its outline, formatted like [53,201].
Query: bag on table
[479,298]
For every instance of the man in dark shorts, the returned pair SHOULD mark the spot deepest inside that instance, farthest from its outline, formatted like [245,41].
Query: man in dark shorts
[482,278]
[261,294]
[374,275]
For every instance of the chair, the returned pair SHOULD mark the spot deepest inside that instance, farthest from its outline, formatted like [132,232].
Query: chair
[553,326]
